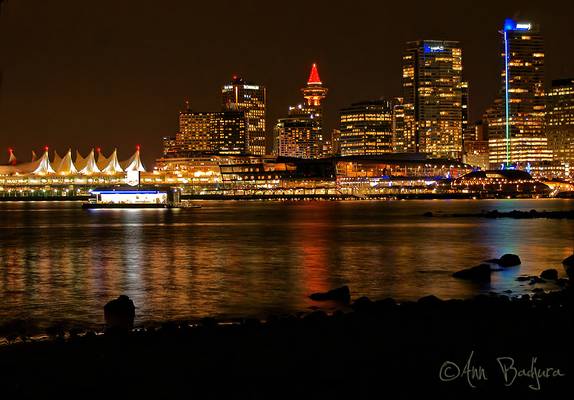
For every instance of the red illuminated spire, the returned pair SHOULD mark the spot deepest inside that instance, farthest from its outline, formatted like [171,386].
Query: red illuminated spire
[314,76]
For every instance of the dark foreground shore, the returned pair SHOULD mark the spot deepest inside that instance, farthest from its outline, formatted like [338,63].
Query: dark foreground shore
[516,347]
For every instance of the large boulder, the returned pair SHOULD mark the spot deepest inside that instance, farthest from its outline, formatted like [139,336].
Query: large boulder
[119,315]
[509,260]
[480,273]
[550,274]
[342,294]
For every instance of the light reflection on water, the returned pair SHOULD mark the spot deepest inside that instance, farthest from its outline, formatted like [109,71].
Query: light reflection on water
[61,263]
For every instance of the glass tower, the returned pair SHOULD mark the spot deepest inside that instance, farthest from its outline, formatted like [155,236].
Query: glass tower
[240,95]
[516,125]
[433,97]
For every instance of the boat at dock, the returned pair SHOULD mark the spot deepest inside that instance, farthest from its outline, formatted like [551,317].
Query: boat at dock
[133,197]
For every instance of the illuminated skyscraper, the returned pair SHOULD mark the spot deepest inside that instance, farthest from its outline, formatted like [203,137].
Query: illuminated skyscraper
[516,123]
[202,133]
[366,128]
[560,122]
[433,87]
[240,95]
[300,134]
[296,136]
[403,140]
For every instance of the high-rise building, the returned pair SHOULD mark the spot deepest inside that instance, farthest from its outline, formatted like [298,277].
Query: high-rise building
[366,128]
[516,123]
[250,98]
[560,121]
[202,133]
[300,134]
[195,129]
[433,88]
[403,139]
[468,131]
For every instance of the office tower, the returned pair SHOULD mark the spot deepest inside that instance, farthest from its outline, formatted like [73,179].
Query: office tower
[202,133]
[403,139]
[516,123]
[433,87]
[366,128]
[250,98]
[468,131]
[560,122]
[297,136]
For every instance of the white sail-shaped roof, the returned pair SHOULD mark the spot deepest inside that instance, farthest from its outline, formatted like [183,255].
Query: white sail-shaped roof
[89,165]
[102,160]
[57,160]
[80,161]
[41,166]
[67,166]
[113,165]
[12,160]
[134,163]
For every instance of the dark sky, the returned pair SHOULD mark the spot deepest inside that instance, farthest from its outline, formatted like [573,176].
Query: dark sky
[116,72]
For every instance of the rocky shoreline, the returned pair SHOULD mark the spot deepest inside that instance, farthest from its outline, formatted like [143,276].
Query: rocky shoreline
[373,350]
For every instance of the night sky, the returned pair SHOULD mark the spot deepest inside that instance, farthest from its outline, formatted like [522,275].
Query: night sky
[114,73]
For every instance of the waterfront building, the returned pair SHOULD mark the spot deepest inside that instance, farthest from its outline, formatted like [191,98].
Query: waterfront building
[357,176]
[366,128]
[560,122]
[433,98]
[516,123]
[497,183]
[240,95]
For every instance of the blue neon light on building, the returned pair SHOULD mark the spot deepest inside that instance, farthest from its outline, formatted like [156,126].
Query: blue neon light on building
[433,48]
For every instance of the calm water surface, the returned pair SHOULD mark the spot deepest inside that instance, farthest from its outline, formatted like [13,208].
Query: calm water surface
[60,264]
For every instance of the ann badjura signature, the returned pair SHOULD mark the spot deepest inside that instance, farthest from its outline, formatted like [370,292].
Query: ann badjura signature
[512,373]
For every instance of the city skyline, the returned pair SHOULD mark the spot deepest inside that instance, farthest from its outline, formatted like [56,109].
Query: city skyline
[107,100]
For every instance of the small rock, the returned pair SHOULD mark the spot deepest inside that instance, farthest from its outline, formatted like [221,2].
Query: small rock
[119,315]
[342,294]
[509,260]
[550,274]
[428,214]
[430,301]
[480,273]
[363,304]
[523,278]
